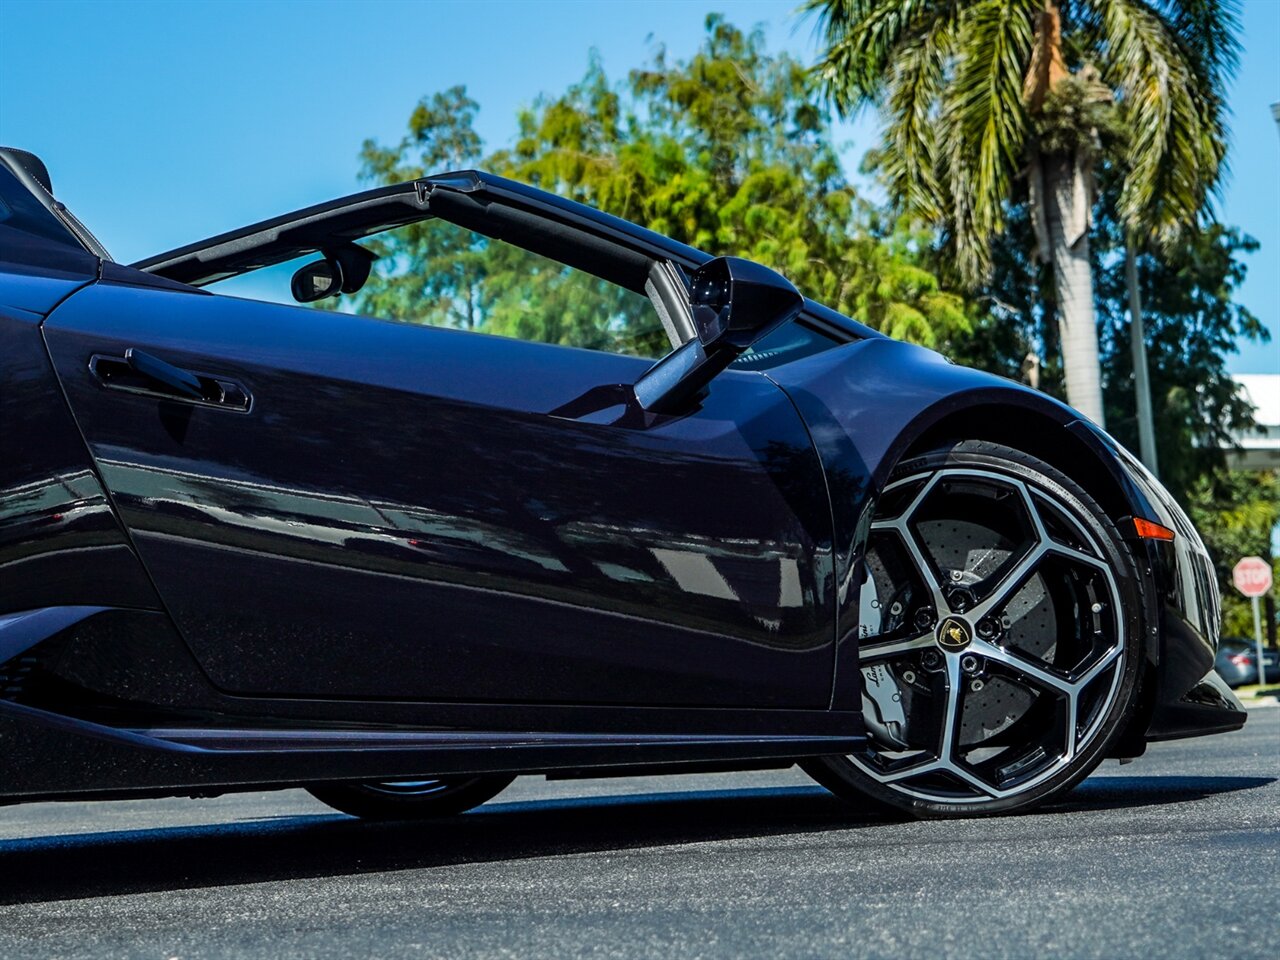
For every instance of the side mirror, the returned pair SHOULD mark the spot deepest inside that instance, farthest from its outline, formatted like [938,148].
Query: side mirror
[316,280]
[343,270]
[735,303]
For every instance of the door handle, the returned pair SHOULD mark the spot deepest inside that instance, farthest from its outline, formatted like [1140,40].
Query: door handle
[175,378]
[142,373]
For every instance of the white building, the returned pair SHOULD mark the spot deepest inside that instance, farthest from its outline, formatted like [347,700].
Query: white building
[1260,451]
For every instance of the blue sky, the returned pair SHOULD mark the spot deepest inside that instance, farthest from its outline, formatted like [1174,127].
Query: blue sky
[166,122]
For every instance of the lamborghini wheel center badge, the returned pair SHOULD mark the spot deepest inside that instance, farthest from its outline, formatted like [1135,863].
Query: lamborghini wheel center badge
[953,634]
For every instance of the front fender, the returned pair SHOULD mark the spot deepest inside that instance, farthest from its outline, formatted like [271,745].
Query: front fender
[870,402]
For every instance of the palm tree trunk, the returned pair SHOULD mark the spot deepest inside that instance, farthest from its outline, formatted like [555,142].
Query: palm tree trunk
[1066,198]
[1141,380]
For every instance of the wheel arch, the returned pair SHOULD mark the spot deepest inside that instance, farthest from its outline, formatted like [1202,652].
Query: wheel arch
[1027,429]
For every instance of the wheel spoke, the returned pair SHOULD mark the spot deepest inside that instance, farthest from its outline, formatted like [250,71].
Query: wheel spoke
[1072,704]
[901,527]
[1042,534]
[1009,584]
[1105,661]
[951,715]
[894,648]
[910,508]
[926,572]
[913,770]
[1016,661]
[972,779]
[1077,555]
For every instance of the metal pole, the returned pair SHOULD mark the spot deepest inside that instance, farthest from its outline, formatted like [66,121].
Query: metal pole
[1257,640]
[1138,344]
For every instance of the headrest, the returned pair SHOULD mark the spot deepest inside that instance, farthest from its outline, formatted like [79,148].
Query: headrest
[32,164]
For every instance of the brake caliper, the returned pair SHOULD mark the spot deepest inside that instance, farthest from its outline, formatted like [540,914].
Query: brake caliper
[881,696]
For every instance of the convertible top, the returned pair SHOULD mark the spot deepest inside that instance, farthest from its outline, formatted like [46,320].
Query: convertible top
[489,204]
[571,232]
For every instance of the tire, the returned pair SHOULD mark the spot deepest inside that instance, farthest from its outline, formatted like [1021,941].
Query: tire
[410,800]
[1000,636]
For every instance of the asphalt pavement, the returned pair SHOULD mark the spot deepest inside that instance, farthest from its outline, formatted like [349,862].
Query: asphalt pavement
[1176,855]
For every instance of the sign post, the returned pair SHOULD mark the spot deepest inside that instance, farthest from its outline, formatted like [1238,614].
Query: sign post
[1252,577]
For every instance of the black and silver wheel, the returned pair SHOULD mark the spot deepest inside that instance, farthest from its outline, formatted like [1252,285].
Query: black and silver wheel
[410,799]
[999,623]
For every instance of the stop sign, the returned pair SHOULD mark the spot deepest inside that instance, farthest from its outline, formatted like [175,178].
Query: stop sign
[1252,576]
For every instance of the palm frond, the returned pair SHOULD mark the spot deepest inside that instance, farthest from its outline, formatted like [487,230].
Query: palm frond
[1207,33]
[914,88]
[862,39]
[985,122]
[1173,113]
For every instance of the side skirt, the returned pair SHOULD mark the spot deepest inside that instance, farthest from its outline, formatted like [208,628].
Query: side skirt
[48,756]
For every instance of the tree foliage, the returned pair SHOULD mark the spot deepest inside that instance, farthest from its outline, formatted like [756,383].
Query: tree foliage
[726,151]
[1236,512]
[1193,325]
[974,92]
[437,273]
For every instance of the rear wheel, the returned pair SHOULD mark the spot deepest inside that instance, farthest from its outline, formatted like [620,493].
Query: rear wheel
[1000,620]
[410,799]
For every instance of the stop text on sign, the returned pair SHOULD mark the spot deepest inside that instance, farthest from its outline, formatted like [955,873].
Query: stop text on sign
[1252,576]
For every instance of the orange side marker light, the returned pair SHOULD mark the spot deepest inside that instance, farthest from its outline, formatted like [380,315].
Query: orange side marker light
[1150,530]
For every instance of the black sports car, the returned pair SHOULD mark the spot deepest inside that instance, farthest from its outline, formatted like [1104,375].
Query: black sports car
[709,525]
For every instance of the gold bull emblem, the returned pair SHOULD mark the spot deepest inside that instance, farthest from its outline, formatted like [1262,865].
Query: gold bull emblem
[953,634]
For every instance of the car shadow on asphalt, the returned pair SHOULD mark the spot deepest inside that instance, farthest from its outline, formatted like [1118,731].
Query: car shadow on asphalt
[73,866]
[1122,792]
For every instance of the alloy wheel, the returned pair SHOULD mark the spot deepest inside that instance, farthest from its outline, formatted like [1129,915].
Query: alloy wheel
[993,637]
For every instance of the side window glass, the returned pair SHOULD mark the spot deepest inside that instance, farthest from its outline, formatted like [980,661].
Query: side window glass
[439,274]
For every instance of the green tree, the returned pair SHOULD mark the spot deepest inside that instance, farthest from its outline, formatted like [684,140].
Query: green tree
[1236,513]
[1192,326]
[978,94]
[725,151]
[435,272]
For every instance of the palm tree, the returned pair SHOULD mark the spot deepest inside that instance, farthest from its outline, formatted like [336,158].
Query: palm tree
[977,93]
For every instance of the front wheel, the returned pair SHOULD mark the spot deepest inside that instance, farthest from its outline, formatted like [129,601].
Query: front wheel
[1000,621]
[410,799]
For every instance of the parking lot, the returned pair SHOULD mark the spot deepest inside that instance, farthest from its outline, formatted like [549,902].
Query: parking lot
[1177,854]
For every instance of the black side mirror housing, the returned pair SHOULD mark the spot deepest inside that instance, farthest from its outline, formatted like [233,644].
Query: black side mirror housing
[735,303]
[316,280]
[343,270]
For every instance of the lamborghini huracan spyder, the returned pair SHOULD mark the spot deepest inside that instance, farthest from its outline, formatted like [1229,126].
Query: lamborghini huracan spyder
[555,495]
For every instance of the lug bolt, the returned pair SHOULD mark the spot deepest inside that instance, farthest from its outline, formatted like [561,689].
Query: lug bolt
[931,659]
[960,600]
[924,619]
[988,628]
[969,663]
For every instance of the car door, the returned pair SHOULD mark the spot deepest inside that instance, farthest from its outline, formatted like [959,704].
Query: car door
[362,508]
